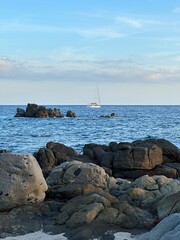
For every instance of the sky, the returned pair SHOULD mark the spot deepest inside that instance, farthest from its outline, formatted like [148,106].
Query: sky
[59,51]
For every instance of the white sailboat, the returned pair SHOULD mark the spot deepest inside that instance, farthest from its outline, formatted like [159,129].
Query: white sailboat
[95,104]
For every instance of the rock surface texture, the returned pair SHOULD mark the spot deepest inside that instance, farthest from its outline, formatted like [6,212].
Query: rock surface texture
[21,181]
[54,154]
[132,160]
[117,187]
[167,229]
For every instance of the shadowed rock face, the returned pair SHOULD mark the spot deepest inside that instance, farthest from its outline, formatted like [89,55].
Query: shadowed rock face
[21,179]
[70,114]
[85,189]
[33,110]
[54,154]
[132,160]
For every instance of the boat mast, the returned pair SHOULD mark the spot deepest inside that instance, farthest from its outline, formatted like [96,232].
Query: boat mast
[98,95]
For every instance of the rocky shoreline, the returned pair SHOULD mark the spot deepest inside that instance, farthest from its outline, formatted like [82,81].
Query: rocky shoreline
[131,187]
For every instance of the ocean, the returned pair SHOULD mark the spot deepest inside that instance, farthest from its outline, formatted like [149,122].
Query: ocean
[27,135]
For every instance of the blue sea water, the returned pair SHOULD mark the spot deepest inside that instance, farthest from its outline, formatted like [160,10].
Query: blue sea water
[27,135]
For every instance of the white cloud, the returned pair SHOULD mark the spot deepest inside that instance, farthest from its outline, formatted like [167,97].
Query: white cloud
[115,71]
[140,23]
[130,21]
[100,33]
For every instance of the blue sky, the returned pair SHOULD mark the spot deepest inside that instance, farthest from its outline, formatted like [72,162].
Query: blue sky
[56,51]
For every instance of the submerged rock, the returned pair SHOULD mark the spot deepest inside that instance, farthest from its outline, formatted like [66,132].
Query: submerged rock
[70,114]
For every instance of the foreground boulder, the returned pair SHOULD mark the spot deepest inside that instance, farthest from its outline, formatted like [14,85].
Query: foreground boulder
[71,179]
[167,229]
[21,179]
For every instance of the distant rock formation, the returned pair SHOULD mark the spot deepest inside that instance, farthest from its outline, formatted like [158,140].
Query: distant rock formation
[112,115]
[33,110]
[71,114]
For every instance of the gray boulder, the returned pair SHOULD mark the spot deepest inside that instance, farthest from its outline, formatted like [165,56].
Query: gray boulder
[22,181]
[169,204]
[75,171]
[167,229]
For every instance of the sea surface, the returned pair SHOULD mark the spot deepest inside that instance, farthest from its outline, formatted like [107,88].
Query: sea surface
[27,135]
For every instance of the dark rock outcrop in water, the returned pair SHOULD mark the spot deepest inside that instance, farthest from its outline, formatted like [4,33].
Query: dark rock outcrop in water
[70,114]
[85,202]
[112,115]
[33,110]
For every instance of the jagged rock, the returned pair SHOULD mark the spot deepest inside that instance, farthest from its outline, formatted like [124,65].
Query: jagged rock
[21,179]
[145,192]
[171,153]
[33,110]
[20,112]
[132,160]
[70,114]
[138,158]
[54,154]
[126,216]
[82,209]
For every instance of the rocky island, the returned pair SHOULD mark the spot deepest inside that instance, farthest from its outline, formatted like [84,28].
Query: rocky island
[33,110]
[130,186]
